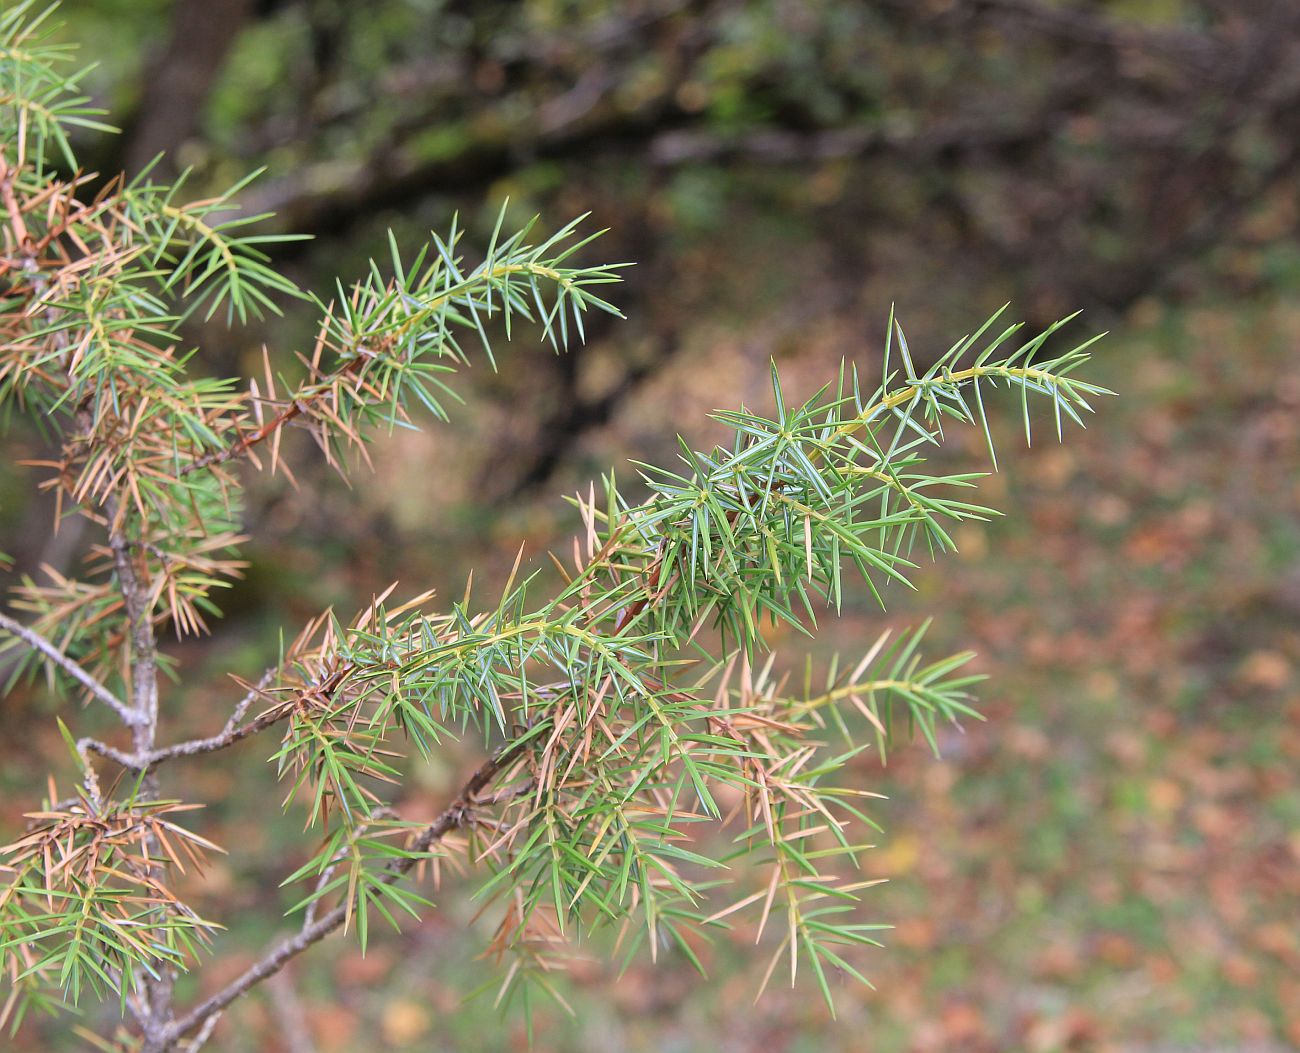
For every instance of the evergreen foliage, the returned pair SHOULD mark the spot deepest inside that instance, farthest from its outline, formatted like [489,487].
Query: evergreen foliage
[621,711]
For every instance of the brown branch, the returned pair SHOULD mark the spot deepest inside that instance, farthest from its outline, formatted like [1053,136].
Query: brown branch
[192,747]
[38,643]
[144,678]
[232,733]
[295,409]
[245,442]
[156,996]
[457,814]
[363,348]
[126,760]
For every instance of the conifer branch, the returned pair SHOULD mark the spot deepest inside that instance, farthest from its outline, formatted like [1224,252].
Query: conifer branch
[633,697]
[457,814]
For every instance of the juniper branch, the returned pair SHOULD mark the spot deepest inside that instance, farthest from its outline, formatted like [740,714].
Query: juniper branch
[627,696]
[457,814]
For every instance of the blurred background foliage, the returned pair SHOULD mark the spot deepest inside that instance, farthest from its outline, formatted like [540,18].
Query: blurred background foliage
[1112,862]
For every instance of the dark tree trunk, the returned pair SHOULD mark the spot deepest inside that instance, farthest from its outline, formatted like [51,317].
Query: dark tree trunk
[179,79]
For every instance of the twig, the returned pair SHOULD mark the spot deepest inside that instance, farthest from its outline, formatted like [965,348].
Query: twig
[144,680]
[127,760]
[294,409]
[157,989]
[190,748]
[454,816]
[227,737]
[232,733]
[253,695]
[38,642]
